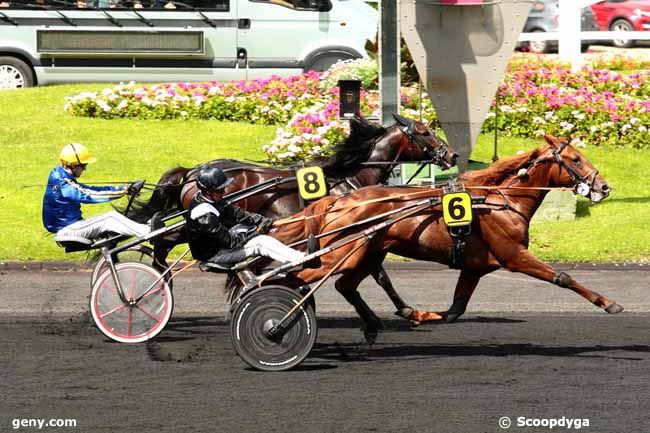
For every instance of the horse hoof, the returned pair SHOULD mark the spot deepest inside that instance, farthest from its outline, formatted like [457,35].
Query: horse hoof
[405,312]
[414,323]
[451,317]
[371,337]
[614,308]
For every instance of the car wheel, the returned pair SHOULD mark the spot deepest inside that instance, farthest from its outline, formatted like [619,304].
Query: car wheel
[322,61]
[14,73]
[539,47]
[622,26]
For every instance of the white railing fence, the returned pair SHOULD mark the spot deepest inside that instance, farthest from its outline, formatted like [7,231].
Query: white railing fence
[570,36]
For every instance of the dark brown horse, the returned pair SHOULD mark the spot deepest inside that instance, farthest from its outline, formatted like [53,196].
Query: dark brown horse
[366,157]
[499,236]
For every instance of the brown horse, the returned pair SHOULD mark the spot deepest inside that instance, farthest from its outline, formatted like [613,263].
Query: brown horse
[499,231]
[366,157]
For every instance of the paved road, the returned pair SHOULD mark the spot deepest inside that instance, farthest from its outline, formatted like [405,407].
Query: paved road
[439,378]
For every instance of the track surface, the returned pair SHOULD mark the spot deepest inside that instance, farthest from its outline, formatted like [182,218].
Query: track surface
[438,378]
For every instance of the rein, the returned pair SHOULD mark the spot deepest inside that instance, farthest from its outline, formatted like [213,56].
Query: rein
[575,177]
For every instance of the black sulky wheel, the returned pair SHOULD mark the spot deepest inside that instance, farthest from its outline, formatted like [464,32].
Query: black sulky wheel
[261,310]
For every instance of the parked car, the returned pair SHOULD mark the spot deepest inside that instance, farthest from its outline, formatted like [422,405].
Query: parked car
[622,16]
[544,17]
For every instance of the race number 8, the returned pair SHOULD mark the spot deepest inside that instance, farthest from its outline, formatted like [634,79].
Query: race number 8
[457,209]
[311,183]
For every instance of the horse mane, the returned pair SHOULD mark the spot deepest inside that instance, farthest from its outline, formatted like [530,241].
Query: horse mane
[500,170]
[352,151]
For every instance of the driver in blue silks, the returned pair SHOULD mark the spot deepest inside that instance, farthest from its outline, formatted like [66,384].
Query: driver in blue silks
[64,195]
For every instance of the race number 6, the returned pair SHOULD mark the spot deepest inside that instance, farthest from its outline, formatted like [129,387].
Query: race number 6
[457,209]
[311,183]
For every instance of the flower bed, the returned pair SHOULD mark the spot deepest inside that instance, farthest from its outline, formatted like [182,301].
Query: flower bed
[268,101]
[594,106]
[539,95]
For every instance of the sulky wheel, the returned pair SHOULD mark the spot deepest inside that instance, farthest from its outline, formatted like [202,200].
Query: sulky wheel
[145,311]
[260,311]
[137,253]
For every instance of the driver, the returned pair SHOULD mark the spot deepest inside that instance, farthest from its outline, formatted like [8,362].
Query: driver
[210,222]
[64,195]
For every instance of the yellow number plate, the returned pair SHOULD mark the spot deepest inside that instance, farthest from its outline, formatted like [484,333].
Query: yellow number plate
[457,209]
[311,183]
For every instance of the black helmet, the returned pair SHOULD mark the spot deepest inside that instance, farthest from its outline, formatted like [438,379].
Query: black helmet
[212,179]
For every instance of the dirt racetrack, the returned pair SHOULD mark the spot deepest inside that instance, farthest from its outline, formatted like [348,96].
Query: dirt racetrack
[439,378]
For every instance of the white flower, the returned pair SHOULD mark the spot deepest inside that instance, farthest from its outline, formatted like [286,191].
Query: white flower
[566,125]
[103,105]
[593,128]
[122,105]
[643,128]
[293,148]
[540,132]
[522,109]
[183,113]
[506,108]
[625,127]
[539,120]
[230,99]
[490,114]
[577,142]
[634,120]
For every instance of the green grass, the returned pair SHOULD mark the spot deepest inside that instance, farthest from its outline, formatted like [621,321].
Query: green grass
[34,127]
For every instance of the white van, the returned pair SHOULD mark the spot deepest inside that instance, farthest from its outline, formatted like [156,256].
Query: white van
[51,41]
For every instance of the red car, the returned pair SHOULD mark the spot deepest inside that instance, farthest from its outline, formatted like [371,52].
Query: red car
[624,16]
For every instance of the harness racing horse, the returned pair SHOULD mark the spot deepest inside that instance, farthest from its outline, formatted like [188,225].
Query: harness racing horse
[366,157]
[499,230]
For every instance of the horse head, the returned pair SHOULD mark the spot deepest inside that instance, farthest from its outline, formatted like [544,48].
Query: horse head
[417,142]
[575,170]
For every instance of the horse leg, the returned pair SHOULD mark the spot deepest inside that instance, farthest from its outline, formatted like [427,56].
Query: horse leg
[403,310]
[525,262]
[347,286]
[467,282]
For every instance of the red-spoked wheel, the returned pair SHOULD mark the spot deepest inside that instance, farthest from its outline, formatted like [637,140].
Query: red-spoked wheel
[143,311]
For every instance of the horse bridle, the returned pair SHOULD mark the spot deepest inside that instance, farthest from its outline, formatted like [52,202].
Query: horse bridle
[438,154]
[583,185]
[407,127]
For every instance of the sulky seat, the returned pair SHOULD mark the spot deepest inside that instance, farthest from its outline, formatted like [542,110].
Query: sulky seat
[73,243]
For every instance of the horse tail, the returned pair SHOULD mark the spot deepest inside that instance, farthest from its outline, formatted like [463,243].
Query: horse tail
[165,196]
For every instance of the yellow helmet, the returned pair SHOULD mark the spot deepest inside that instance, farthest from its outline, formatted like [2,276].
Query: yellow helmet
[75,154]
